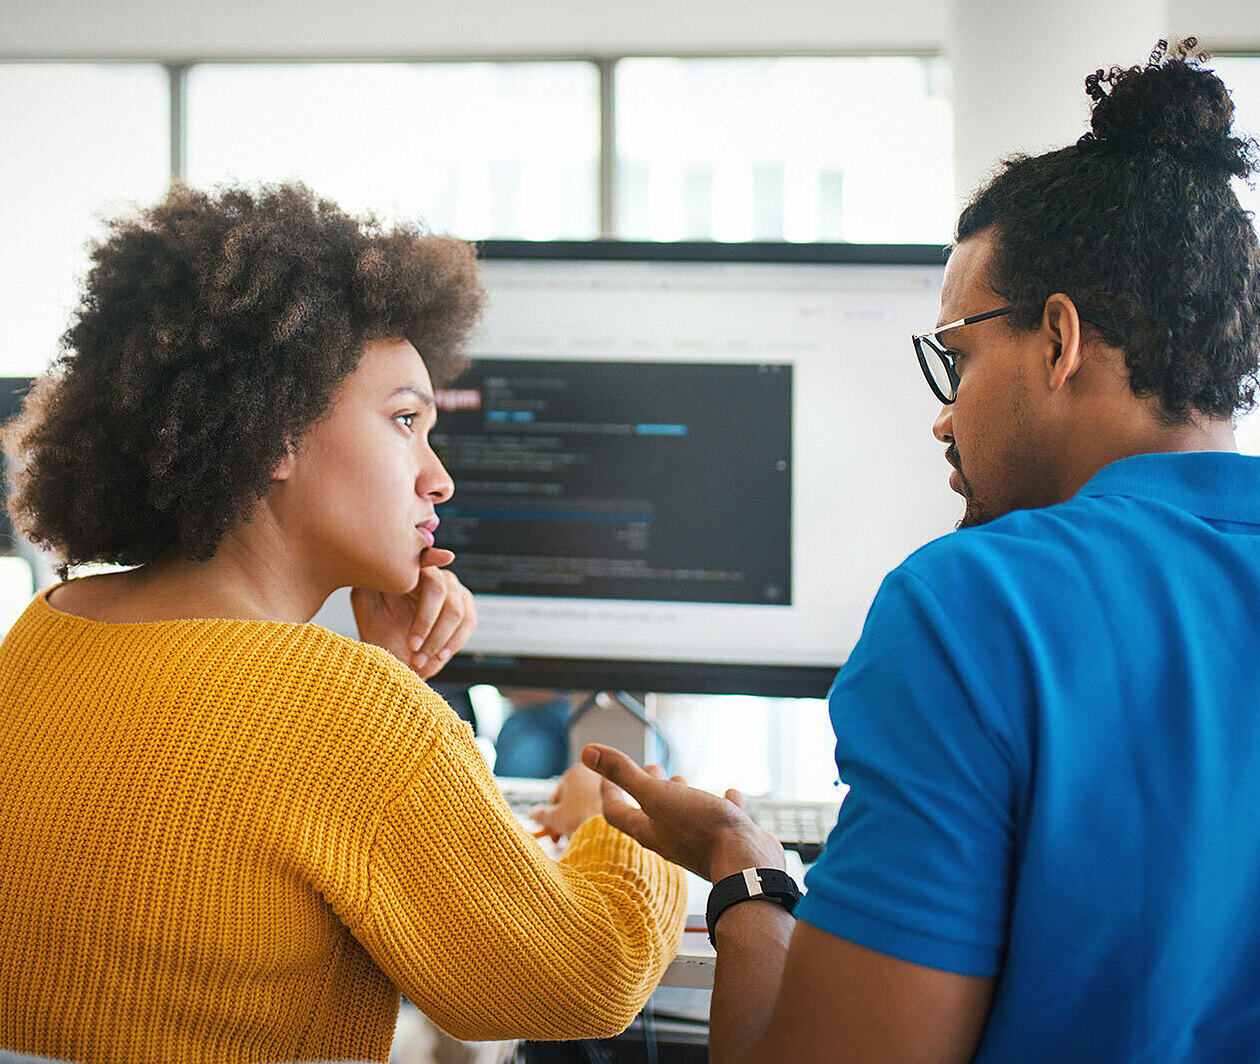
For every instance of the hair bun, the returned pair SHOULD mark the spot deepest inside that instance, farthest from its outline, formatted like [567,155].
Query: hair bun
[1171,104]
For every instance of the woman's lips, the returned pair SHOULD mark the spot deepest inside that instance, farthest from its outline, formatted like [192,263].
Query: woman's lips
[426,530]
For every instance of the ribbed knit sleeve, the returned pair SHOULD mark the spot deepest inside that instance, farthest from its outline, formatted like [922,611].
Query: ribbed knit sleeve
[492,938]
[228,842]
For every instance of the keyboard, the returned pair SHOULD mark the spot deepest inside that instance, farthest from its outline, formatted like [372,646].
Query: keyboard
[798,825]
[523,794]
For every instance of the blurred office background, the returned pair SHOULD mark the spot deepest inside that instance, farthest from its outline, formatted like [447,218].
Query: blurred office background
[800,121]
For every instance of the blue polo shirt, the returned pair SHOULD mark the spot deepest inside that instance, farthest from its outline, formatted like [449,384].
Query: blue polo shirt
[1051,732]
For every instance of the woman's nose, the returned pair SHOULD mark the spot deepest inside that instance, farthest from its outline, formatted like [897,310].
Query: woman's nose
[435,482]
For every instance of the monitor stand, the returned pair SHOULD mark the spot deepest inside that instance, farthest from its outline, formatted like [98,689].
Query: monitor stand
[613,718]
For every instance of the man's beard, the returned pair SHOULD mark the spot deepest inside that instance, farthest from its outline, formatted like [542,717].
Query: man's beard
[976,513]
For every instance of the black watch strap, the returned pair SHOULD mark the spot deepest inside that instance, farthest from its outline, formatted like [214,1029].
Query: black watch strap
[769,884]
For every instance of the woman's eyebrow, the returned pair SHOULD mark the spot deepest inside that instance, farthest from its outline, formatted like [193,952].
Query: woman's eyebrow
[422,397]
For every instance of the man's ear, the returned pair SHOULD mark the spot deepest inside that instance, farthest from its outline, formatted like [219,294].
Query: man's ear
[1062,326]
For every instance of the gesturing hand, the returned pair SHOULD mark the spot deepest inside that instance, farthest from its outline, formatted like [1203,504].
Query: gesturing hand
[711,836]
[424,627]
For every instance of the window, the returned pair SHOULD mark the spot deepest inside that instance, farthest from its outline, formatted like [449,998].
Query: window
[81,142]
[1242,76]
[804,149]
[756,745]
[477,149]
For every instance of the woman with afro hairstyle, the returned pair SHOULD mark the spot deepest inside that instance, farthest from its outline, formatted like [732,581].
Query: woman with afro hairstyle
[226,833]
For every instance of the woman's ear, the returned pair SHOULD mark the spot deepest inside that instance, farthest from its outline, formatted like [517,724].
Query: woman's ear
[284,470]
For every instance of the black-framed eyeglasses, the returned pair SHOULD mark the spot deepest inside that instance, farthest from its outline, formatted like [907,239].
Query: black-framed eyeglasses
[938,363]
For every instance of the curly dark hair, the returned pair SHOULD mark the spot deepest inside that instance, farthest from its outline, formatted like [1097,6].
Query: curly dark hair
[212,334]
[1138,223]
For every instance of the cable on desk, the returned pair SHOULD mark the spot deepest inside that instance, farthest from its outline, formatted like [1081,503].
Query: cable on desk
[595,1053]
[649,1034]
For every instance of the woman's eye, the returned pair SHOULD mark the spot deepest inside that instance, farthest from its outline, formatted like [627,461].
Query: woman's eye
[407,419]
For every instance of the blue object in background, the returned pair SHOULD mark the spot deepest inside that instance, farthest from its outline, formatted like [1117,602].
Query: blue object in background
[534,741]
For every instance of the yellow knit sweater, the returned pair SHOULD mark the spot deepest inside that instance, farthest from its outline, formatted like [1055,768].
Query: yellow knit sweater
[230,840]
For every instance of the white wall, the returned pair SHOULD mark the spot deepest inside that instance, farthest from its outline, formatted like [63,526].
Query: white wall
[242,28]
[174,28]
[1031,98]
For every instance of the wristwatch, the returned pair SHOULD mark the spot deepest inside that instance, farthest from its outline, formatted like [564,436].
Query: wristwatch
[769,884]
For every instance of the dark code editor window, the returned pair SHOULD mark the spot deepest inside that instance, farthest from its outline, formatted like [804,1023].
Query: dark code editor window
[620,480]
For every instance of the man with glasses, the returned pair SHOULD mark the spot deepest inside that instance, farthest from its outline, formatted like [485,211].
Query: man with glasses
[1050,726]
[939,363]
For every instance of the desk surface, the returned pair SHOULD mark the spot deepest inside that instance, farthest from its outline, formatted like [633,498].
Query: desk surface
[693,967]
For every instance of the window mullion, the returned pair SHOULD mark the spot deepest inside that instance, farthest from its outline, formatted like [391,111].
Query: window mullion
[177,76]
[607,147]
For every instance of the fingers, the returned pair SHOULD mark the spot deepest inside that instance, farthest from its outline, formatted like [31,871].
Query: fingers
[612,795]
[623,815]
[736,797]
[458,638]
[425,627]
[467,626]
[430,595]
[461,604]
[442,633]
[613,765]
[545,817]
[658,773]
[436,556]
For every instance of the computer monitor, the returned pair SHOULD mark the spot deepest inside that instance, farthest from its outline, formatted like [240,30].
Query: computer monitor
[686,467]
[12,392]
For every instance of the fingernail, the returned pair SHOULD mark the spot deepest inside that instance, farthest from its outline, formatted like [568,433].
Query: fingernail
[415,642]
[421,661]
[443,655]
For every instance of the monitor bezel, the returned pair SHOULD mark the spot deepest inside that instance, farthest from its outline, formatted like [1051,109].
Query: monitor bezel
[672,677]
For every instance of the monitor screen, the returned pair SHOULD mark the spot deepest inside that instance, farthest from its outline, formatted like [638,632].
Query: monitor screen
[12,391]
[688,467]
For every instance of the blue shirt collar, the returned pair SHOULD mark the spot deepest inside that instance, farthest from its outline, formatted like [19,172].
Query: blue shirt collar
[1218,485]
